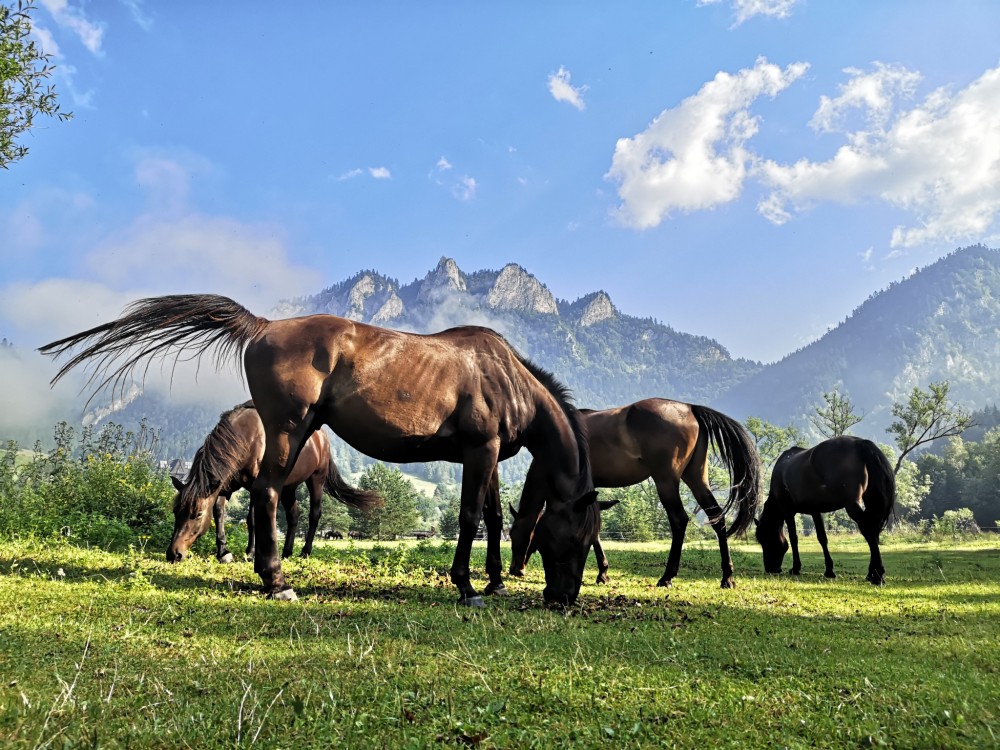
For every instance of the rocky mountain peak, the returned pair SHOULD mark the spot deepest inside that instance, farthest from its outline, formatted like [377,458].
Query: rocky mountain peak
[516,289]
[446,278]
[598,309]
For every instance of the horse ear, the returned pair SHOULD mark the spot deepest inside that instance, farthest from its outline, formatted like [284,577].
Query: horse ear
[178,484]
[513,513]
[607,504]
[586,501]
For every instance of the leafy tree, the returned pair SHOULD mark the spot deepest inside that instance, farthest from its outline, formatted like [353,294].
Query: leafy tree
[926,416]
[771,440]
[912,487]
[23,70]
[837,417]
[451,504]
[399,512]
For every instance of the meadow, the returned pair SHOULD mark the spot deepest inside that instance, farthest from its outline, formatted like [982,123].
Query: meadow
[112,650]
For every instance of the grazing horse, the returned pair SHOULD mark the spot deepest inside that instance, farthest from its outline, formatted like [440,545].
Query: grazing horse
[463,395]
[669,442]
[229,460]
[843,472]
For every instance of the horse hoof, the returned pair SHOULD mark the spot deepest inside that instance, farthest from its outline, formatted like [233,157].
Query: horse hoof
[876,580]
[795,572]
[517,573]
[728,583]
[227,558]
[285,595]
[829,574]
[492,590]
[476,602]
[665,583]
[603,578]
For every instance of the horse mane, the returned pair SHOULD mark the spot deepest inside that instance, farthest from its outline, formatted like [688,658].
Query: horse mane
[217,460]
[564,397]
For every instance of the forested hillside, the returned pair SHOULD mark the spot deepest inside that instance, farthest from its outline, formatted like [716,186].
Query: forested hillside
[941,323]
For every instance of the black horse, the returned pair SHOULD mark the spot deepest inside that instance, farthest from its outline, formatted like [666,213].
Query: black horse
[843,472]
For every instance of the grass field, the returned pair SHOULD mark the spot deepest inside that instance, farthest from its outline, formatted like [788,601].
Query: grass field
[110,650]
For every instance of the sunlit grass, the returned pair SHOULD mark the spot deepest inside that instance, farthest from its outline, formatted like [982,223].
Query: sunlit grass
[125,650]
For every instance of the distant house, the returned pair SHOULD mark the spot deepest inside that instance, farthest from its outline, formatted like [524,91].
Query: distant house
[176,467]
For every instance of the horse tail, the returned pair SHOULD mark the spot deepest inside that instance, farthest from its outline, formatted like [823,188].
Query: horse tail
[881,477]
[337,487]
[738,453]
[156,326]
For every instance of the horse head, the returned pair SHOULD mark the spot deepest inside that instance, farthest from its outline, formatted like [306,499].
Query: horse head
[564,535]
[192,516]
[770,532]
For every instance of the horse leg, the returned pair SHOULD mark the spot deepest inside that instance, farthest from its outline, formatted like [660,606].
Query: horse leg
[477,471]
[821,536]
[706,500]
[493,518]
[292,515]
[222,553]
[793,540]
[251,547]
[529,510]
[870,529]
[670,499]
[280,451]
[315,485]
[602,561]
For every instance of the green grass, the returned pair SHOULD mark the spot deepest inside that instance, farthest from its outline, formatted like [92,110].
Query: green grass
[110,650]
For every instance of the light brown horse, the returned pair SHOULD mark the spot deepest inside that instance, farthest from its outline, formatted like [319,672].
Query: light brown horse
[463,395]
[669,442]
[229,460]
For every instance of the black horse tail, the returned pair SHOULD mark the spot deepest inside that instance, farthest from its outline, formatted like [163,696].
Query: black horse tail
[738,453]
[158,326]
[881,479]
[337,487]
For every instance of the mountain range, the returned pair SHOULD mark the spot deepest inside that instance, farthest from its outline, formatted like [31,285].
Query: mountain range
[940,323]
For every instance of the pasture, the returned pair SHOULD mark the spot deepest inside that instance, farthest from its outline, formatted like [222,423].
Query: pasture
[124,650]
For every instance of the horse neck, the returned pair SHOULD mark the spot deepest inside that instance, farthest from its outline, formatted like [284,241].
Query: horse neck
[554,448]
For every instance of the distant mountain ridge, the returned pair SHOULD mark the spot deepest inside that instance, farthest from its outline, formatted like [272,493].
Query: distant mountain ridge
[940,323]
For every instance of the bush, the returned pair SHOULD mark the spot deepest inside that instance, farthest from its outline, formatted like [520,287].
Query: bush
[101,490]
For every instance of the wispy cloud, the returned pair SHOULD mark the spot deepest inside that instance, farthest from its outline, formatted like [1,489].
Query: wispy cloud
[563,91]
[694,156]
[463,187]
[744,10]
[378,173]
[143,19]
[72,18]
[939,161]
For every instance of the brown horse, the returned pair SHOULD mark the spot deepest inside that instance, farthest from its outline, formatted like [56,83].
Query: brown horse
[843,472]
[463,395]
[669,442]
[229,460]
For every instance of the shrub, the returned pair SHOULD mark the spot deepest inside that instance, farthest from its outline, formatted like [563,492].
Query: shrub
[100,490]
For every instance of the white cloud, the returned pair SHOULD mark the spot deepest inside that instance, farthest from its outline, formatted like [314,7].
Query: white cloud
[91,34]
[465,188]
[443,165]
[744,10]
[874,94]
[939,161]
[377,173]
[693,156]
[563,91]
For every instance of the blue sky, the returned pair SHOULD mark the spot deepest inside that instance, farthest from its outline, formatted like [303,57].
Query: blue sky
[749,170]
